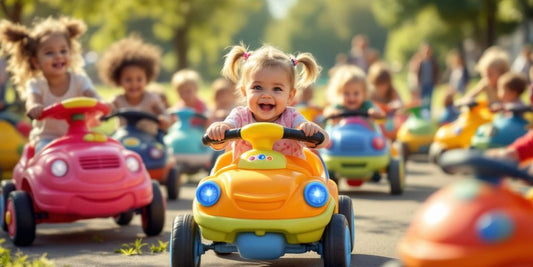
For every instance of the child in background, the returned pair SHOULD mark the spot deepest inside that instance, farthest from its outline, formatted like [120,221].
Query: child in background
[385,96]
[459,76]
[268,80]
[304,104]
[46,66]
[159,90]
[132,64]
[348,91]
[384,93]
[224,99]
[186,83]
[511,85]
[493,63]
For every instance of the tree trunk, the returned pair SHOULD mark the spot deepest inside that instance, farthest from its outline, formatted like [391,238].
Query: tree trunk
[13,14]
[181,47]
[491,22]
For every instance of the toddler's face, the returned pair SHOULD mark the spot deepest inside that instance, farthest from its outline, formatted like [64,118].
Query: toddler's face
[133,80]
[353,95]
[506,95]
[492,76]
[268,91]
[381,89]
[188,93]
[53,56]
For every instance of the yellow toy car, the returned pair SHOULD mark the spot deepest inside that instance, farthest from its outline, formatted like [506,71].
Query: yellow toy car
[458,134]
[265,204]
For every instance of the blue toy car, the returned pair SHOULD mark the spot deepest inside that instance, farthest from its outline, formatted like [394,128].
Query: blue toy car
[185,143]
[152,150]
[503,130]
[358,151]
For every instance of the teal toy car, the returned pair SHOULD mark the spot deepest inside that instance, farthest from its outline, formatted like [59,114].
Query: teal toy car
[185,143]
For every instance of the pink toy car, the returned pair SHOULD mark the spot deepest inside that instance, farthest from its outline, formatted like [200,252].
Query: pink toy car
[81,175]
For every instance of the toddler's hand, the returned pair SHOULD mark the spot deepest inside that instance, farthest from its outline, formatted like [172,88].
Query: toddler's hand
[35,111]
[216,130]
[309,128]
[164,122]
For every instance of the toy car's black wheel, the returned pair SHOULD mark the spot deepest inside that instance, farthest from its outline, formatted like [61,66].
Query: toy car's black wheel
[173,183]
[336,242]
[20,218]
[124,218]
[333,177]
[403,150]
[396,175]
[435,151]
[7,188]
[185,242]
[153,215]
[346,209]
[376,177]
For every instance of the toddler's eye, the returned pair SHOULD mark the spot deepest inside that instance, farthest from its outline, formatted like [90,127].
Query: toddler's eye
[257,87]
[278,89]
[48,53]
[64,51]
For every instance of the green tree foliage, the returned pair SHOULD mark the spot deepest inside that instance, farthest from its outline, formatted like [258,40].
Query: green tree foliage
[446,23]
[325,28]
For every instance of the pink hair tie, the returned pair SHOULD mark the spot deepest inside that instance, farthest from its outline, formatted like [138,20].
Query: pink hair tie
[246,55]
[294,61]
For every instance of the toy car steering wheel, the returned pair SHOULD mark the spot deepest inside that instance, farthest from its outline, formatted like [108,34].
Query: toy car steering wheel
[132,116]
[70,107]
[485,168]
[355,113]
[264,134]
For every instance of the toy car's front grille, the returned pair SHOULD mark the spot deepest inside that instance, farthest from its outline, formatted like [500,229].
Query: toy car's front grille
[99,162]
[353,165]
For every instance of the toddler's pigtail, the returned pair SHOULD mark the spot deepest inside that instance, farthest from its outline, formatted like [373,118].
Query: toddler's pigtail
[231,66]
[16,42]
[75,27]
[309,72]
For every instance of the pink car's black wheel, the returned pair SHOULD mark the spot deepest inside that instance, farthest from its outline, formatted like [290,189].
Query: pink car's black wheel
[20,218]
[153,215]
[173,183]
[124,218]
[7,188]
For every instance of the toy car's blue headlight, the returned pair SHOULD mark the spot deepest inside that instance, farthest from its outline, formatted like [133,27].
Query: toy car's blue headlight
[208,193]
[316,194]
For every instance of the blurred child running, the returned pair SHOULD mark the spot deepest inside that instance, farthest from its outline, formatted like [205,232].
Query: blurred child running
[46,66]
[131,64]
[268,80]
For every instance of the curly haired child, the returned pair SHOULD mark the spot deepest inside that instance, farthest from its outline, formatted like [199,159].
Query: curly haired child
[268,80]
[46,67]
[348,91]
[131,64]
[492,65]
